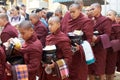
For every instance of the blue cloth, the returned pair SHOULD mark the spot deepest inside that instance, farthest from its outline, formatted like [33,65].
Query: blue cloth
[44,22]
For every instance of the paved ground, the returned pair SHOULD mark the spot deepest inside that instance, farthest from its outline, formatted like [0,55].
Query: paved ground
[117,76]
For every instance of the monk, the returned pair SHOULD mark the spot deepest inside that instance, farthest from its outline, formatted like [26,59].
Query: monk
[75,20]
[39,28]
[59,13]
[111,55]
[9,31]
[88,11]
[67,15]
[31,49]
[60,40]
[103,27]
[118,35]
[117,18]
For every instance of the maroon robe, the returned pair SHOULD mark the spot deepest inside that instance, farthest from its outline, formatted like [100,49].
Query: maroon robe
[32,52]
[64,51]
[111,55]
[103,26]
[41,32]
[118,36]
[118,62]
[8,32]
[78,67]
[2,64]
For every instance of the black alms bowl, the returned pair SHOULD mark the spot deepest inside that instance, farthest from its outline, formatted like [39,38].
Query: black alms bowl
[48,56]
[75,38]
[16,60]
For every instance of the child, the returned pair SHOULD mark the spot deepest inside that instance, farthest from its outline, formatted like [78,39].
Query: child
[31,49]
[62,43]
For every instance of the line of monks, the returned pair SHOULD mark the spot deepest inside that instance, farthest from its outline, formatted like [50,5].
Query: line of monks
[97,29]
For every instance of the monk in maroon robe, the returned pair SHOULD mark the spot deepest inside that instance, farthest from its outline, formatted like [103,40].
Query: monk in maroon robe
[31,49]
[88,11]
[103,27]
[62,43]
[118,36]
[117,18]
[75,20]
[59,13]
[9,31]
[39,28]
[111,55]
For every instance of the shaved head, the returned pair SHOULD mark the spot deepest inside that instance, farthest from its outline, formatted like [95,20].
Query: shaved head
[75,10]
[55,19]
[34,18]
[34,15]
[58,10]
[80,2]
[97,5]
[3,16]
[54,24]
[26,25]
[26,30]
[113,12]
[75,6]
[96,9]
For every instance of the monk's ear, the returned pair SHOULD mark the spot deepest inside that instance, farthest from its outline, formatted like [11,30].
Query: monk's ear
[31,29]
[58,24]
[4,19]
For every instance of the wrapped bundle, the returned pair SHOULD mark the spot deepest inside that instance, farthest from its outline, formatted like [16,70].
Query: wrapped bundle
[62,69]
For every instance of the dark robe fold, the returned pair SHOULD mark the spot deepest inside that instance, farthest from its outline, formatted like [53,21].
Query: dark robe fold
[117,35]
[105,41]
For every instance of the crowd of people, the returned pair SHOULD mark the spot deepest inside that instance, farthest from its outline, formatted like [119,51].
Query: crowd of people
[41,28]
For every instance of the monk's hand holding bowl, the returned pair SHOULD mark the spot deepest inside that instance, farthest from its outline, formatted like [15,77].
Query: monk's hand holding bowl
[52,65]
[94,38]
[49,67]
[7,70]
[77,47]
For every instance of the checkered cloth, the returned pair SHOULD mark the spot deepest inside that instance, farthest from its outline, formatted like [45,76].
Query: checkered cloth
[22,72]
[64,73]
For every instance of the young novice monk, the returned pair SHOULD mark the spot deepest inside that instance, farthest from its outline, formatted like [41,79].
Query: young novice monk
[112,54]
[31,49]
[62,43]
